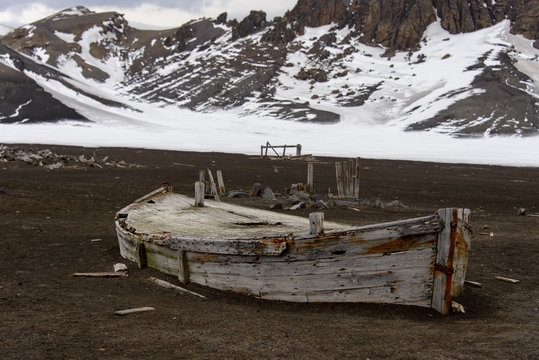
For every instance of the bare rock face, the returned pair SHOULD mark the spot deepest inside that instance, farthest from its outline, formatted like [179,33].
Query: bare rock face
[255,21]
[394,24]
[314,13]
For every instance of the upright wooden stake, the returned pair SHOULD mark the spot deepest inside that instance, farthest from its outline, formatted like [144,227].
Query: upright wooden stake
[310,178]
[351,175]
[202,178]
[298,150]
[316,223]
[220,182]
[340,181]
[357,177]
[199,194]
[213,187]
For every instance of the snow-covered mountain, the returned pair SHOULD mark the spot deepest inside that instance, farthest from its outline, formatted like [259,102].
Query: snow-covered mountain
[461,67]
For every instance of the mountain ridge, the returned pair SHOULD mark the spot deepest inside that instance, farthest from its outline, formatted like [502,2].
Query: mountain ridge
[360,56]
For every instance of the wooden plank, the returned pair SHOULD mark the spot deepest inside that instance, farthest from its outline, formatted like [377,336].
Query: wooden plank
[451,257]
[158,191]
[310,178]
[509,280]
[99,274]
[357,178]
[220,182]
[132,311]
[351,177]
[340,179]
[269,246]
[168,285]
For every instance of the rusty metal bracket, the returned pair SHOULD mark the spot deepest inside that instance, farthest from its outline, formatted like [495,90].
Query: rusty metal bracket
[444,269]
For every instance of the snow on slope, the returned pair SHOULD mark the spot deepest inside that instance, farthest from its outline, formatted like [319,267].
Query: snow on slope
[406,89]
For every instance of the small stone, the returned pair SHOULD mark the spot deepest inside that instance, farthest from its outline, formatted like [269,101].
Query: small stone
[522,212]
[485,226]
[276,206]
[457,308]
[268,194]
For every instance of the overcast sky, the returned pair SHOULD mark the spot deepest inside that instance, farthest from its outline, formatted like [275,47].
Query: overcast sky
[160,13]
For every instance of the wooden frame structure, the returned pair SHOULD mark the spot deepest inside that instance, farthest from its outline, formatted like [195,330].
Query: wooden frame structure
[265,148]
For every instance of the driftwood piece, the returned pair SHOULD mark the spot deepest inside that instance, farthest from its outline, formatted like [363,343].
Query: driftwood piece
[135,310]
[506,279]
[168,285]
[99,274]
[473,283]
[310,178]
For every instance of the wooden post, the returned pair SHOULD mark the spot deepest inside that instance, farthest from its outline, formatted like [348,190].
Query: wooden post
[202,178]
[213,187]
[298,150]
[339,176]
[284,150]
[220,182]
[346,179]
[351,176]
[443,267]
[199,194]
[310,178]
[357,177]
[316,223]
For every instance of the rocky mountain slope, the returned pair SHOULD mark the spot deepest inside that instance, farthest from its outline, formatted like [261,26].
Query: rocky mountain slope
[463,67]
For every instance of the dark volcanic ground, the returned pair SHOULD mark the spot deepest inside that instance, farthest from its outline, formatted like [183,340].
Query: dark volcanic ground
[50,217]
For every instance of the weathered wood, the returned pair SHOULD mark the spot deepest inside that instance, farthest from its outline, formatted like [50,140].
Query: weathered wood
[99,274]
[391,263]
[473,283]
[213,186]
[506,279]
[310,178]
[298,150]
[168,285]
[202,179]
[140,255]
[340,179]
[316,221]
[183,272]
[357,178]
[451,257]
[199,194]
[132,311]
[220,182]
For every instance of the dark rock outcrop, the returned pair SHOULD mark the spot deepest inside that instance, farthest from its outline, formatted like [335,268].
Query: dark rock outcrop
[255,21]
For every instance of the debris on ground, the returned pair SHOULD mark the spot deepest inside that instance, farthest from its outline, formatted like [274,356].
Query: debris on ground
[52,161]
[136,310]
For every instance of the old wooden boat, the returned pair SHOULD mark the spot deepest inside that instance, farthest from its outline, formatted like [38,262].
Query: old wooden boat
[275,256]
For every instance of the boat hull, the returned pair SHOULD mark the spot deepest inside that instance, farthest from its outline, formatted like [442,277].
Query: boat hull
[397,263]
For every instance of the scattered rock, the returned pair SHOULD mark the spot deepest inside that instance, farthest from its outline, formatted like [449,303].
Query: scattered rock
[276,206]
[2,190]
[268,194]
[522,212]
[457,308]
[394,204]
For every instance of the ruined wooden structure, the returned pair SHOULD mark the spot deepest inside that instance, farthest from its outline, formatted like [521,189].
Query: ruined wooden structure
[274,256]
[264,149]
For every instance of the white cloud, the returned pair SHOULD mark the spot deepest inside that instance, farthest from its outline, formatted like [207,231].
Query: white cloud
[20,15]
[152,13]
